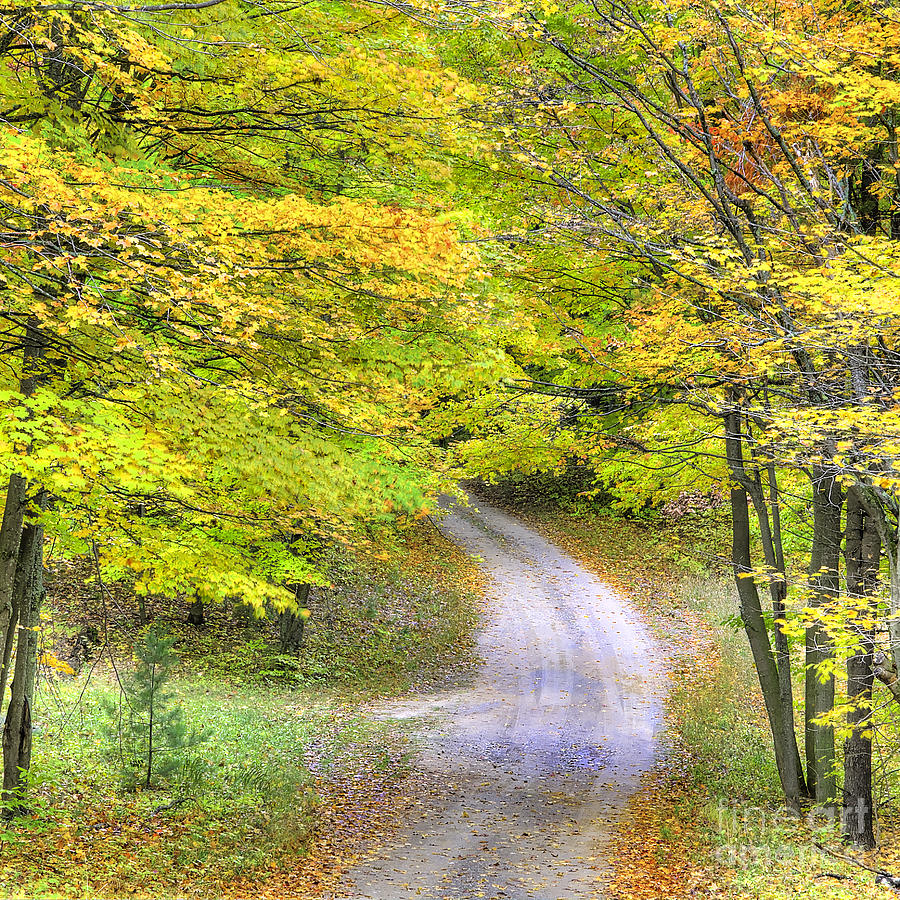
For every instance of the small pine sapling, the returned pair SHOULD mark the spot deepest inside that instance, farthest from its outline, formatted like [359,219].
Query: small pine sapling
[148,726]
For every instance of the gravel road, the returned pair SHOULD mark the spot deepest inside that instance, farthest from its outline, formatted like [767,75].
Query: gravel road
[531,764]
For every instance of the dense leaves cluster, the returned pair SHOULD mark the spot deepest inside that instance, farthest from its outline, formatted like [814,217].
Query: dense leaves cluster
[709,211]
[232,289]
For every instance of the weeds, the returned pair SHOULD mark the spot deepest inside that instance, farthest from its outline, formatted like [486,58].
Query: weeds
[244,799]
[716,708]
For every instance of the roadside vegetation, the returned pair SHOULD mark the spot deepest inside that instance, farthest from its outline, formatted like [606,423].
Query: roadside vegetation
[288,776]
[710,819]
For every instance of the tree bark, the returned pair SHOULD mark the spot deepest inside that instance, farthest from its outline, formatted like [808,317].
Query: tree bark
[195,613]
[291,623]
[30,594]
[862,552]
[773,551]
[827,506]
[893,553]
[10,541]
[752,615]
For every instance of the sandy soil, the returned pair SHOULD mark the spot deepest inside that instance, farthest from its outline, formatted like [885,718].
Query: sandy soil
[530,765]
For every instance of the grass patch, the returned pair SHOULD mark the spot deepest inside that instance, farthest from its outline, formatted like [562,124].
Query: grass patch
[293,778]
[715,703]
[245,802]
[243,795]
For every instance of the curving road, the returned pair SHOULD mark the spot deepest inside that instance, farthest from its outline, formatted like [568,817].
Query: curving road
[530,765]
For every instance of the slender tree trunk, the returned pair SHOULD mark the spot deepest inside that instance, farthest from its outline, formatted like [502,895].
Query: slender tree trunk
[150,748]
[290,624]
[36,594]
[773,550]
[8,644]
[752,614]
[892,547]
[30,594]
[10,538]
[782,648]
[824,579]
[862,553]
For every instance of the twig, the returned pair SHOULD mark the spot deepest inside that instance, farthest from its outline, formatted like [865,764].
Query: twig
[178,801]
[882,879]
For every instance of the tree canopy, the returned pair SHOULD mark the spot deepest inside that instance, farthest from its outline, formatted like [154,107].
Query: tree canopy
[272,273]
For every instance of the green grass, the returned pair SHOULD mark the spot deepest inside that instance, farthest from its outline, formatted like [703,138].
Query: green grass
[250,782]
[716,705]
[291,759]
[246,798]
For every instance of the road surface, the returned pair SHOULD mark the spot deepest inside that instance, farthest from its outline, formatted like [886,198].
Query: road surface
[530,765]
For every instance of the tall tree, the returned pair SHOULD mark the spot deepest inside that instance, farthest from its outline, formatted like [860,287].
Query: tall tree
[228,230]
[713,187]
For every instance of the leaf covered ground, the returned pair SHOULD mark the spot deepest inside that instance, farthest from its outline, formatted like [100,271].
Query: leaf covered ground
[293,779]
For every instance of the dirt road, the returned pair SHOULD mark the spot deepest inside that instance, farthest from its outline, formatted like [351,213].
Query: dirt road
[531,764]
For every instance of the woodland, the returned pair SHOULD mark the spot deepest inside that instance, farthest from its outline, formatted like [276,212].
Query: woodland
[275,276]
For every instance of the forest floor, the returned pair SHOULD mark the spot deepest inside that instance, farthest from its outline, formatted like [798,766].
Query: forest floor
[315,766]
[293,779]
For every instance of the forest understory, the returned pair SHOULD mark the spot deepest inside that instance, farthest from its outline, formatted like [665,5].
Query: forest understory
[296,782]
[291,779]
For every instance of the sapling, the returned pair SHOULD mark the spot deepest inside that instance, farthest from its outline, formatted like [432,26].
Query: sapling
[148,725]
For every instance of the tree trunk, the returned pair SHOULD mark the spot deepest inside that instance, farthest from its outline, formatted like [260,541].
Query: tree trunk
[825,583]
[8,644]
[10,539]
[290,623]
[30,595]
[773,550]
[752,615]
[862,553]
[195,613]
[893,553]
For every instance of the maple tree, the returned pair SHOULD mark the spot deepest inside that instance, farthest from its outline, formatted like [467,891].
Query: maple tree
[243,298]
[232,292]
[714,188]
